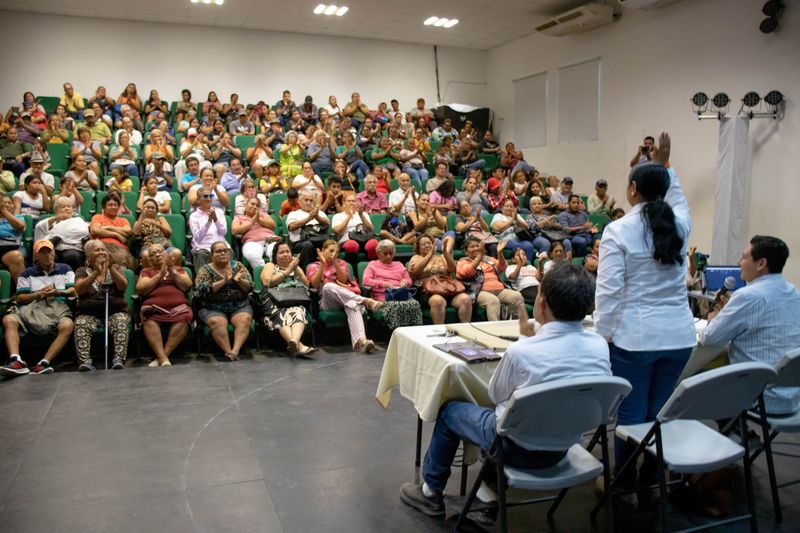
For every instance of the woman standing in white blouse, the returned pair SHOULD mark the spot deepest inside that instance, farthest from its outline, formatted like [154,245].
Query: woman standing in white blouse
[641,300]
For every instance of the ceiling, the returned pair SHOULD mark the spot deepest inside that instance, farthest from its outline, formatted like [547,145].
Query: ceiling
[484,24]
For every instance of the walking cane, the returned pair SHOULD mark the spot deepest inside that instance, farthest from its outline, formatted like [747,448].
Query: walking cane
[106,286]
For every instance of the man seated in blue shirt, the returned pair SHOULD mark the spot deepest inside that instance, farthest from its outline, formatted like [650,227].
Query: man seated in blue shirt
[575,221]
[759,321]
[232,179]
[40,310]
[561,349]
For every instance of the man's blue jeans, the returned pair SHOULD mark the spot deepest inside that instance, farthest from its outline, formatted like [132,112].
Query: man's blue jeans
[653,376]
[466,421]
[580,243]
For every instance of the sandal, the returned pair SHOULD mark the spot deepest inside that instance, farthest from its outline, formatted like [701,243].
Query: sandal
[366,346]
[373,305]
[308,350]
[293,348]
[231,357]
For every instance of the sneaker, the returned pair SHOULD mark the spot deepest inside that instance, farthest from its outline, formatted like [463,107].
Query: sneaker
[116,364]
[411,495]
[15,367]
[43,367]
[86,367]
[486,516]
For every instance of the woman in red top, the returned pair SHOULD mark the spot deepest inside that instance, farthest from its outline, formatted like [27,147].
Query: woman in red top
[163,287]
[492,291]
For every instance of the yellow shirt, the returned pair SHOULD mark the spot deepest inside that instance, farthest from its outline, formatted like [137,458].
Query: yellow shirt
[72,104]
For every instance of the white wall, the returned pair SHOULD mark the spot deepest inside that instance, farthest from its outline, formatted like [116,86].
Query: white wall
[652,63]
[256,64]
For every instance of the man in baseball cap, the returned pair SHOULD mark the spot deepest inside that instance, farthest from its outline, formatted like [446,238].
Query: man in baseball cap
[600,203]
[44,287]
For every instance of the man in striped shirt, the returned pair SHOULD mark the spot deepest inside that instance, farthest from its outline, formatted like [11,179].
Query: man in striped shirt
[760,320]
[40,310]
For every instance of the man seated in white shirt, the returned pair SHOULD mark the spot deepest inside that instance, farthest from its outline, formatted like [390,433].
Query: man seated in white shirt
[207,225]
[759,321]
[402,200]
[561,349]
[307,215]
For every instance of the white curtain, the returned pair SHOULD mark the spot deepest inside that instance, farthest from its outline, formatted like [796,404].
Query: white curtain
[730,225]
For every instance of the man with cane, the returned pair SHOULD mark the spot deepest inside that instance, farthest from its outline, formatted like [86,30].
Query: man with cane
[100,286]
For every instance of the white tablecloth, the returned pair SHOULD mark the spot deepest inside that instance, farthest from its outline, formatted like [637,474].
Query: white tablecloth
[428,376]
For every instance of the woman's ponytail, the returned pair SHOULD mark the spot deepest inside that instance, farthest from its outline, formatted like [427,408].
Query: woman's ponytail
[652,182]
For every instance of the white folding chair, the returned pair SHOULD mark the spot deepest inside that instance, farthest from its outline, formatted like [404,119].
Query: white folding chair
[683,444]
[788,369]
[554,416]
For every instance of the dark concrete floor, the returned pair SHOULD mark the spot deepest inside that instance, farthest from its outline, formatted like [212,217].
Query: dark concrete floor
[266,444]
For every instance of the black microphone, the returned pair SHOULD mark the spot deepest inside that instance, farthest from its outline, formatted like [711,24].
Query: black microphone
[727,286]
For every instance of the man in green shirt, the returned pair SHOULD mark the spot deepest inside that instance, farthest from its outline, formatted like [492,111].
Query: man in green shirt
[14,152]
[356,110]
[99,130]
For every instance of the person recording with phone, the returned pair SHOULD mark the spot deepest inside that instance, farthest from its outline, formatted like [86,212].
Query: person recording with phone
[645,152]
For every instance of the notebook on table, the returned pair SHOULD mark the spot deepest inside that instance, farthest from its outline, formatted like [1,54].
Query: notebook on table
[470,352]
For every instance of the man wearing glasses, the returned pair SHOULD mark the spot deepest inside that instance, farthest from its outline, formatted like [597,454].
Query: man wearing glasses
[207,225]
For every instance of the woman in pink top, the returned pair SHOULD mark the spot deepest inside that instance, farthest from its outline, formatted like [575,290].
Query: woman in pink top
[257,230]
[338,291]
[444,198]
[385,273]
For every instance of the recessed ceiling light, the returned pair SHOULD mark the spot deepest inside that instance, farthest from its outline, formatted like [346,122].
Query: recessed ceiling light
[194,1]
[440,22]
[324,9]
[206,1]
[219,2]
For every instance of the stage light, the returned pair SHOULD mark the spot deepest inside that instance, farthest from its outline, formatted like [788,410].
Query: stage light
[774,98]
[330,10]
[441,22]
[774,10]
[751,99]
[700,100]
[451,23]
[430,20]
[721,100]
[319,9]
[341,11]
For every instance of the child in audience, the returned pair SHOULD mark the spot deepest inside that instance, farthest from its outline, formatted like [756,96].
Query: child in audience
[292,202]
[120,181]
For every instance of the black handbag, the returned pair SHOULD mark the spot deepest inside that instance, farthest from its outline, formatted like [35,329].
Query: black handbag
[314,234]
[360,235]
[289,296]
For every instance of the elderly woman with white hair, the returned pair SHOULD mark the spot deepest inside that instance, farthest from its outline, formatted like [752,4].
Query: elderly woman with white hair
[383,276]
[91,283]
[67,232]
